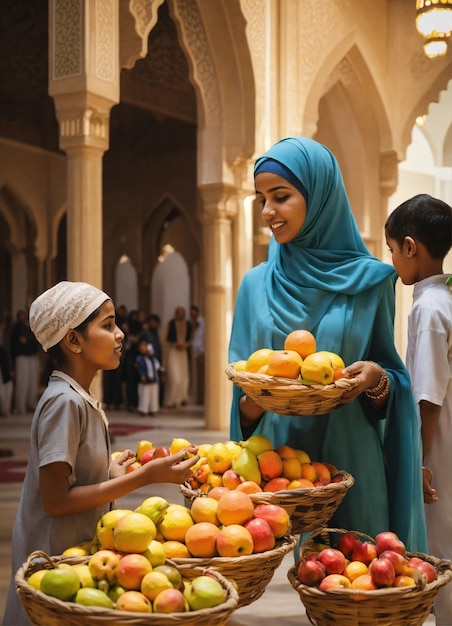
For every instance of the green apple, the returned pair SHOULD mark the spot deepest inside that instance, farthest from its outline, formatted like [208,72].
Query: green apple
[204,592]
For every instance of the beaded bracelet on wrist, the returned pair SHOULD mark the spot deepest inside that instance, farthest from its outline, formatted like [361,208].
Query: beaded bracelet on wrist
[381,390]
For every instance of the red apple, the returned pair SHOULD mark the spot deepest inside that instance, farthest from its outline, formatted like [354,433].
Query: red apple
[160,452]
[364,551]
[261,533]
[276,516]
[382,572]
[398,561]
[346,543]
[425,567]
[169,601]
[335,581]
[131,570]
[311,572]
[147,456]
[389,541]
[333,560]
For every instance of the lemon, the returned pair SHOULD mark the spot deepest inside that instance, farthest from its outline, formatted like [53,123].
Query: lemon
[35,579]
[143,446]
[178,444]
[318,368]
[240,366]
[257,359]
[176,523]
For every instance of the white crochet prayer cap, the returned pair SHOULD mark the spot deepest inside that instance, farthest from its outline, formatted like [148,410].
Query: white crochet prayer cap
[62,307]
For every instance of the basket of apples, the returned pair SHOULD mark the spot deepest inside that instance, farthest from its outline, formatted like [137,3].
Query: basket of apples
[310,491]
[121,589]
[295,380]
[347,577]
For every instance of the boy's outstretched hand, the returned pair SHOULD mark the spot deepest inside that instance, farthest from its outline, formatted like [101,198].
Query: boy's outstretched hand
[175,468]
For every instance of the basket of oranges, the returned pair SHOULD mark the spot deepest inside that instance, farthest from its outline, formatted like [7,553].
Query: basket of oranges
[351,578]
[297,380]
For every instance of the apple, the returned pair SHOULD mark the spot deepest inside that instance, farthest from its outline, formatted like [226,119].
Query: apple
[424,567]
[133,601]
[311,572]
[262,535]
[335,581]
[231,479]
[388,540]
[131,570]
[161,452]
[364,551]
[169,601]
[382,572]
[398,561]
[147,456]
[204,592]
[346,542]
[333,560]
[277,517]
[102,565]
[234,540]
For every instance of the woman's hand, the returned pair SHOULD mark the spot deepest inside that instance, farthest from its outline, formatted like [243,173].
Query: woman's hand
[368,373]
[120,464]
[250,412]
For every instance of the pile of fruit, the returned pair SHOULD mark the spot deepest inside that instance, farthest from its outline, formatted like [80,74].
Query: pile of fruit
[128,570]
[254,465]
[363,565]
[299,360]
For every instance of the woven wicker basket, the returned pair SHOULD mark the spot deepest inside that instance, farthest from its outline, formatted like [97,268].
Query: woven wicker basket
[402,606]
[44,610]
[250,573]
[287,396]
[309,509]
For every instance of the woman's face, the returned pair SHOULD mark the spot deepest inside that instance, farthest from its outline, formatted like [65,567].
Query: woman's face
[283,206]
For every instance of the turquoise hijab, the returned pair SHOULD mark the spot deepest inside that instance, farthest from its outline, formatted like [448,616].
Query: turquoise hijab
[325,280]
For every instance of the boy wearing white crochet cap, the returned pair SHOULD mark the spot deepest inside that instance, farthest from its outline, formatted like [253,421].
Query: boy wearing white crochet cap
[71,480]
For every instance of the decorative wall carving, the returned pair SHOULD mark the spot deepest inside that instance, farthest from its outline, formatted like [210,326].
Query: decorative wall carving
[106,44]
[67,43]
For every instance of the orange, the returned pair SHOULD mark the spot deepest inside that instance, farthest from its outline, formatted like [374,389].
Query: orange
[175,549]
[204,509]
[300,483]
[355,569]
[308,471]
[235,507]
[257,359]
[302,341]
[286,363]
[201,539]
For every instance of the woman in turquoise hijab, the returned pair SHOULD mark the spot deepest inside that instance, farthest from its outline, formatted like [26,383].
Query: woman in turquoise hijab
[321,277]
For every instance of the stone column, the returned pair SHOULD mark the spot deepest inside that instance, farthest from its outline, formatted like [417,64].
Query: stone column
[84,82]
[219,207]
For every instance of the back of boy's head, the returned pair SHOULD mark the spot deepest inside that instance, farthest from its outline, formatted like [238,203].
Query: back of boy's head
[425,219]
